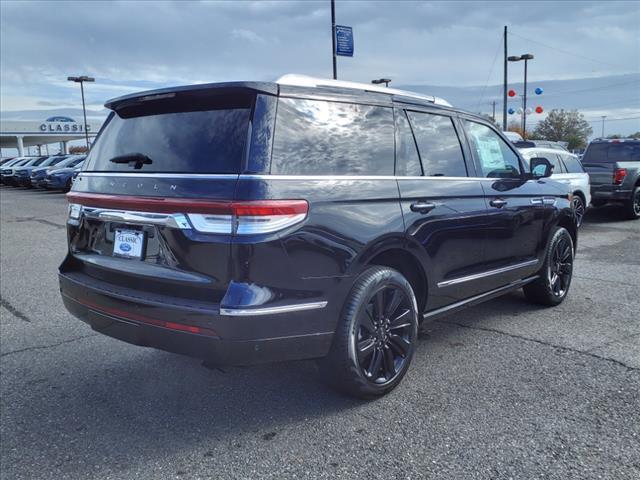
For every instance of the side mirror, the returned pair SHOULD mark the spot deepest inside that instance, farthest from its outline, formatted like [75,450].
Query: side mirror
[540,167]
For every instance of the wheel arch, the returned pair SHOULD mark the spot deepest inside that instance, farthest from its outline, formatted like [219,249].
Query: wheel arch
[567,221]
[409,266]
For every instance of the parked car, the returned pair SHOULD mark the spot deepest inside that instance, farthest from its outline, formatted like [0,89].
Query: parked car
[38,173]
[542,144]
[62,178]
[5,168]
[614,170]
[6,160]
[513,136]
[22,175]
[252,222]
[19,171]
[40,177]
[7,172]
[566,169]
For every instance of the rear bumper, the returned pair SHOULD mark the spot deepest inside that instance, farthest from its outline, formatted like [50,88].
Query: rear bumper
[610,193]
[219,336]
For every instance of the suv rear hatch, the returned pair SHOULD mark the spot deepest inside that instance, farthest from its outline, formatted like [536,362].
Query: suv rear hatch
[149,212]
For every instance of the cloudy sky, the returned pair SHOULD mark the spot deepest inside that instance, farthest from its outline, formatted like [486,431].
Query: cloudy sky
[129,46]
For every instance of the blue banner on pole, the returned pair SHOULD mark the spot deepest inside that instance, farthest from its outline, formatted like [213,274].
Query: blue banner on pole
[344,41]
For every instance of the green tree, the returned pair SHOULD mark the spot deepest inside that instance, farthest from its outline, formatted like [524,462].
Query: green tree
[564,126]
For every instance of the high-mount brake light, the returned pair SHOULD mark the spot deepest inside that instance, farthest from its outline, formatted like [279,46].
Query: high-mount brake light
[250,217]
[619,175]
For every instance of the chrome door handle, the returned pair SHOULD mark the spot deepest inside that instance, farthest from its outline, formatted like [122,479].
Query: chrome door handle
[537,201]
[422,207]
[498,203]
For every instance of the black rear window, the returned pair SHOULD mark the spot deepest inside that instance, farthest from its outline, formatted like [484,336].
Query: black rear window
[210,140]
[612,152]
[317,137]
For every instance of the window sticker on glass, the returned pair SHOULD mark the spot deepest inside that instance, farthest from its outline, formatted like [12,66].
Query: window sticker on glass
[490,152]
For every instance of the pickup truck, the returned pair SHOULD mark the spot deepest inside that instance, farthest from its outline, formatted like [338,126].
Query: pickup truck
[613,166]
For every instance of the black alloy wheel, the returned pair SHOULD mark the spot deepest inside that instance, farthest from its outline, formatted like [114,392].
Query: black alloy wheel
[375,337]
[383,335]
[554,278]
[578,209]
[560,268]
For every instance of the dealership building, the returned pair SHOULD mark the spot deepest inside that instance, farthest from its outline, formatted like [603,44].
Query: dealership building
[19,134]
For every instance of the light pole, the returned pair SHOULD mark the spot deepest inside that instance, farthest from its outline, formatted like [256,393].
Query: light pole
[81,81]
[380,81]
[603,117]
[333,38]
[526,57]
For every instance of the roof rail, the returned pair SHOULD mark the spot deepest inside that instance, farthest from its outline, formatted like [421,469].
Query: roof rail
[313,82]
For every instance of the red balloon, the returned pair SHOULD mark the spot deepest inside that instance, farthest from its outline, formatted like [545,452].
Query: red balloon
[512,93]
[539,110]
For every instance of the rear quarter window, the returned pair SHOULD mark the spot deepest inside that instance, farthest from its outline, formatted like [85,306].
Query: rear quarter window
[317,137]
[573,164]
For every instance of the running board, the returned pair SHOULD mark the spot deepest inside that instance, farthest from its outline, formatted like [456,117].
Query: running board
[483,297]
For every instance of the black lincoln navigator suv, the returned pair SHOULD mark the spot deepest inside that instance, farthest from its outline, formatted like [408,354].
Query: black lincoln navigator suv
[254,222]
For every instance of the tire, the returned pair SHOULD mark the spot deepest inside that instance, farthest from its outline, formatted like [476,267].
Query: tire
[376,336]
[551,288]
[579,208]
[632,206]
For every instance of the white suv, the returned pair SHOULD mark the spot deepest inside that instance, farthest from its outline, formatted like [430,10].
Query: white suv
[567,169]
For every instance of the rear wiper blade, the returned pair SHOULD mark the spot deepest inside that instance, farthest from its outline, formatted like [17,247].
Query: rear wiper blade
[136,160]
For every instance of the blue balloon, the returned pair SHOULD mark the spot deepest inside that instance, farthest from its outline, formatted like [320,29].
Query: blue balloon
[511,111]
[539,91]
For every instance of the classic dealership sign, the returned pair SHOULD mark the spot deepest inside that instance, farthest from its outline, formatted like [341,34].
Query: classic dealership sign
[62,125]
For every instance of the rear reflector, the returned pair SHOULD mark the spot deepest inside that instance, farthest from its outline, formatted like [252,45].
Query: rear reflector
[249,217]
[619,175]
[147,320]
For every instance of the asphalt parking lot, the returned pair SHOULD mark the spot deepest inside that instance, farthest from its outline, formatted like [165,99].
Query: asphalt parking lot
[503,390]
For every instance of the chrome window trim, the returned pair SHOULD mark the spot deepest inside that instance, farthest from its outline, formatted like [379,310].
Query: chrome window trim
[230,176]
[489,273]
[242,312]
[251,176]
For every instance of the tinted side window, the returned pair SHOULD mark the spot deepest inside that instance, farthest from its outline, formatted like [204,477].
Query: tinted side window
[496,159]
[624,152]
[407,159]
[572,163]
[316,137]
[438,145]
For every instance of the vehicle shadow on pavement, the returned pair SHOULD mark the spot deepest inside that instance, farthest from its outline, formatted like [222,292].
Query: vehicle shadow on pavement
[129,402]
[605,214]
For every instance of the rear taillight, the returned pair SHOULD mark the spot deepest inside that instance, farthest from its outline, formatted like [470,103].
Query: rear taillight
[251,217]
[619,175]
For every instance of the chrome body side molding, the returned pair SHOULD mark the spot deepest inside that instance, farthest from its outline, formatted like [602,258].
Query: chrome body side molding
[252,312]
[489,273]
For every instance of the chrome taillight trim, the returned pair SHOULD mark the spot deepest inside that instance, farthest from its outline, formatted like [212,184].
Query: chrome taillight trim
[170,220]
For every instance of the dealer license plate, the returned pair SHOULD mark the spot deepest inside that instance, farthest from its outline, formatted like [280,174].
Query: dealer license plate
[128,243]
